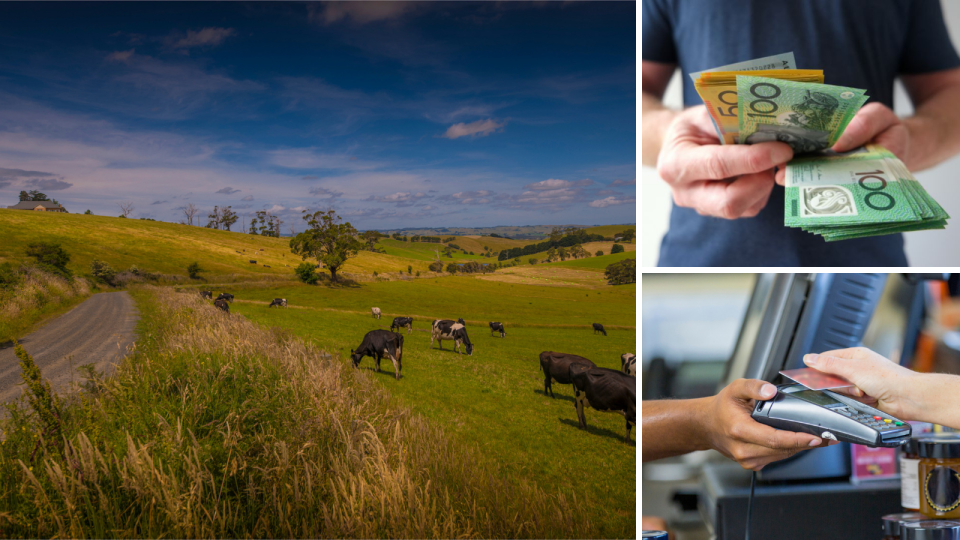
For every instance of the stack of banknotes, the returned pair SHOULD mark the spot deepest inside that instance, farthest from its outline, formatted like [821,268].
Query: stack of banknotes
[865,192]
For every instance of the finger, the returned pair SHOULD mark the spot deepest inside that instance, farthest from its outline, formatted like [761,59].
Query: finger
[894,139]
[781,176]
[851,391]
[729,200]
[747,389]
[758,206]
[776,439]
[692,161]
[872,119]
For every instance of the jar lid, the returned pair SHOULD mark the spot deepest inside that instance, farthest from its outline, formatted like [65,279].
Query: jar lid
[891,522]
[911,446]
[938,445]
[656,535]
[934,529]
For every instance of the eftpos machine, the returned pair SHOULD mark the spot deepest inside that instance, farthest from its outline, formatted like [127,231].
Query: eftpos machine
[788,316]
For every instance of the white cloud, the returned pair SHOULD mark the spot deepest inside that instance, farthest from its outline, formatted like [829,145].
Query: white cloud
[228,190]
[613,201]
[120,56]
[358,12]
[557,184]
[310,158]
[480,128]
[247,198]
[210,36]
[482,196]
[325,193]
[401,198]
[624,182]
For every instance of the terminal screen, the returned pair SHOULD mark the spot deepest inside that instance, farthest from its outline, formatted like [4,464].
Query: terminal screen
[813,396]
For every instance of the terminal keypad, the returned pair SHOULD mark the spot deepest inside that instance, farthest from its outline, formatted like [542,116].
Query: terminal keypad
[877,422]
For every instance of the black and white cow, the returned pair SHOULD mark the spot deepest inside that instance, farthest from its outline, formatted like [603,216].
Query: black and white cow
[497,327]
[447,329]
[376,312]
[556,367]
[597,327]
[222,304]
[402,322]
[628,361]
[206,294]
[377,344]
[279,302]
[605,390]
[225,296]
[461,321]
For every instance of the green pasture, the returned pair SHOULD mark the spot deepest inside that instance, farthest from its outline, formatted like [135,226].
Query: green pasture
[495,398]
[477,301]
[595,263]
[609,230]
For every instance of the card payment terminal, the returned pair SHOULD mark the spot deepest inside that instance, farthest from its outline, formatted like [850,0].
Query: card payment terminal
[830,416]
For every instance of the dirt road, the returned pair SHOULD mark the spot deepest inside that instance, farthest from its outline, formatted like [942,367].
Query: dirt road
[97,331]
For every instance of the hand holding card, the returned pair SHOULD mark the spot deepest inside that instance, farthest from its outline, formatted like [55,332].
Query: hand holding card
[816,380]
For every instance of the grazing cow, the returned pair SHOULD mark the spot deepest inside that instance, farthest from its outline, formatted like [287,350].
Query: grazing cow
[628,361]
[225,296]
[461,321]
[206,294]
[597,327]
[497,327]
[401,322]
[253,261]
[222,304]
[556,367]
[279,302]
[605,390]
[376,312]
[447,329]
[380,343]
[266,266]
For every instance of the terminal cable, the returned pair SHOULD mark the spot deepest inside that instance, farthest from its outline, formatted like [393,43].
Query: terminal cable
[753,484]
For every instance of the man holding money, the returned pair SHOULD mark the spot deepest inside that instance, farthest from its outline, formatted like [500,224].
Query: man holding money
[728,209]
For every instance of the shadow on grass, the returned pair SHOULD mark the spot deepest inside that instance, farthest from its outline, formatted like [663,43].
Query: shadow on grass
[383,372]
[556,394]
[601,432]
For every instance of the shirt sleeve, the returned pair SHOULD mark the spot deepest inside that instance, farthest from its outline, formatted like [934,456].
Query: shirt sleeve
[927,46]
[657,34]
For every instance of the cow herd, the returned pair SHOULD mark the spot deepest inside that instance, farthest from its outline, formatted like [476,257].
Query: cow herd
[602,389]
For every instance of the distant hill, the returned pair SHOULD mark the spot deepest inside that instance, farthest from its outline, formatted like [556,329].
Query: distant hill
[522,232]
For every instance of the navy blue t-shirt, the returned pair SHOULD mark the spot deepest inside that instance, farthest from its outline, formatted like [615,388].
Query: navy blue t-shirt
[858,43]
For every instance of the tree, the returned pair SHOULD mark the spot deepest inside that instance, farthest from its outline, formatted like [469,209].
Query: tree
[533,260]
[190,211]
[306,272]
[452,268]
[88,212]
[551,254]
[409,269]
[215,219]
[265,224]
[621,272]
[228,217]
[578,252]
[617,248]
[327,239]
[436,266]
[562,253]
[102,272]
[193,270]
[556,234]
[50,256]
[126,208]
[599,253]
[32,195]
[24,196]
[371,237]
[627,235]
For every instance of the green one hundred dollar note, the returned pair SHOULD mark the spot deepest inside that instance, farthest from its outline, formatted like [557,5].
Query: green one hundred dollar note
[807,116]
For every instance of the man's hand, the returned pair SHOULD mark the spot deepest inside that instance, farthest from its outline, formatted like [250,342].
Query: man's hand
[732,181]
[727,423]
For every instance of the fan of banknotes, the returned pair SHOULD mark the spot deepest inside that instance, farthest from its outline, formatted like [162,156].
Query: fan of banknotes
[865,192]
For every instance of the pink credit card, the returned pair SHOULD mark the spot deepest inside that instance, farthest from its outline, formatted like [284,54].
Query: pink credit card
[816,380]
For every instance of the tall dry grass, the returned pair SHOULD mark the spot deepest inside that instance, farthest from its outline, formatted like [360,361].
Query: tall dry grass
[219,428]
[36,292]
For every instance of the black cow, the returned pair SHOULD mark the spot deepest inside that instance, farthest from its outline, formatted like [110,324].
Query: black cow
[606,390]
[461,321]
[401,322]
[225,296]
[556,367]
[206,294]
[447,329]
[222,304]
[279,302]
[628,363]
[380,343]
[597,327]
[497,327]
[253,261]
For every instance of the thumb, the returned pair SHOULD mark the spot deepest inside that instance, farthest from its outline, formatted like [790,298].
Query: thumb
[755,389]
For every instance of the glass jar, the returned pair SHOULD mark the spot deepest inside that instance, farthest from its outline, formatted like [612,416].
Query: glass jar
[654,535]
[934,529]
[939,474]
[892,522]
[909,477]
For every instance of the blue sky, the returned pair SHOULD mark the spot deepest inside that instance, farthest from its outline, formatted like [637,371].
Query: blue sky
[395,114]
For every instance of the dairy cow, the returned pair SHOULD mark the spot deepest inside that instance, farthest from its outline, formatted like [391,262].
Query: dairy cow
[222,305]
[225,296]
[461,321]
[556,367]
[597,327]
[447,329]
[377,344]
[628,362]
[279,302]
[206,294]
[402,322]
[605,390]
[376,312]
[497,327]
